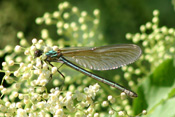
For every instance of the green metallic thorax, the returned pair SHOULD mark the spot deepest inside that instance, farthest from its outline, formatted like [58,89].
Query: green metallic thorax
[53,56]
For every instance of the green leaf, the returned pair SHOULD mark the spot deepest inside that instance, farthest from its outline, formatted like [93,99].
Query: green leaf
[156,90]
[165,109]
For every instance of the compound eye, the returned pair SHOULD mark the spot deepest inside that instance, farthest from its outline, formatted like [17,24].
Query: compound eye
[38,53]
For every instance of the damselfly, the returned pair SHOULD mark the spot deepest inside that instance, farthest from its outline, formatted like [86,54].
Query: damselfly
[96,58]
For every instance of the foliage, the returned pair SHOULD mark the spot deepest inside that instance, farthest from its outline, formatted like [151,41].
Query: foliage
[157,86]
[157,91]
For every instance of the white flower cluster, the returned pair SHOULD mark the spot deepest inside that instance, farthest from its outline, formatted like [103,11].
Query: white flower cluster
[32,92]
[77,26]
[158,45]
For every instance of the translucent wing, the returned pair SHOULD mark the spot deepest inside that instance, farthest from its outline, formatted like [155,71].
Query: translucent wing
[103,58]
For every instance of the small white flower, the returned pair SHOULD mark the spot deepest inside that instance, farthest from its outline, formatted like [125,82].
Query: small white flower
[30,66]
[18,104]
[55,48]
[144,112]
[79,96]
[34,41]
[59,112]
[33,48]
[15,94]
[7,73]
[54,70]
[44,33]
[21,96]
[83,13]
[96,21]
[96,12]
[92,90]
[41,104]
[4,91]
[39,20]
[7,104]
[121,113]
[111,112]
[21,113]
[40,41]
[11,63]
[20,34]
[43,82]
[96,115]
[27,52]
[46,49]
[21,64]
[56,14]
[17,48]
[26,75]
[123,95]
[90,110]
[30,58]
[105,104]
[45,66]
[81,20]
[66,26]
[17,85]
[4,64]
[66,15]
[74,9]
[16,73]
[1,87]
[59,24]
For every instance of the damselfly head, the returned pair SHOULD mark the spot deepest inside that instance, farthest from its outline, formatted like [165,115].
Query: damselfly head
[38,53]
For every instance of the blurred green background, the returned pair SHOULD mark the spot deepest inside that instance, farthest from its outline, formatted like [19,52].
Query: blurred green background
[117,17]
